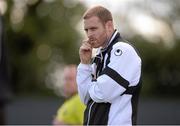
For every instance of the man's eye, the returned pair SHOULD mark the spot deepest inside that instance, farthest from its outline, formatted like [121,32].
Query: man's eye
[86,30]
[93,29]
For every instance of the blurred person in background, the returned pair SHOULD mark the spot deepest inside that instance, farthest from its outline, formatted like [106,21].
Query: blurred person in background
[71,112]
[5,90]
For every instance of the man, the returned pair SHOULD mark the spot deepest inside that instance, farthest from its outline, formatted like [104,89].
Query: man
[71,112]
[110,85]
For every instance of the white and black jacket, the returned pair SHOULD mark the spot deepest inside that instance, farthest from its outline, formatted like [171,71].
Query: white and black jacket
[110,85]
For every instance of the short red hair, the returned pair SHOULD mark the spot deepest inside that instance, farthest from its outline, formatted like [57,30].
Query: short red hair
[102,13]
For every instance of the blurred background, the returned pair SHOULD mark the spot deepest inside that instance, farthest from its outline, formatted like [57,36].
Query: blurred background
[41,36]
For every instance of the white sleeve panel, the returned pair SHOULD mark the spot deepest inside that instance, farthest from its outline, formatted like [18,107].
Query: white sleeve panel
[105,89]
[127,65]
[84,81]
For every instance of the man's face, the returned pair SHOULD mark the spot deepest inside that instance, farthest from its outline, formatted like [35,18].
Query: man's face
[69,78]
[96,32]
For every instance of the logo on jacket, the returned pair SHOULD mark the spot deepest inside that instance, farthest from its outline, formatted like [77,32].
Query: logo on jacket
[118,52]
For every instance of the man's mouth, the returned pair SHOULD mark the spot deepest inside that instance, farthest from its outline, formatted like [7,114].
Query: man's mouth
[92,41]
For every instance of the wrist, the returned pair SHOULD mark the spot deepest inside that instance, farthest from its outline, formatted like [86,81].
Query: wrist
[86,62]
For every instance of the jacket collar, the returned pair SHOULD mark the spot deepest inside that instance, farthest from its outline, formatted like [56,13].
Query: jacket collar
[114,38]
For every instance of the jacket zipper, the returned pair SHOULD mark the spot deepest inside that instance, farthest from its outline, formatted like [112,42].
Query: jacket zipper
[89,113]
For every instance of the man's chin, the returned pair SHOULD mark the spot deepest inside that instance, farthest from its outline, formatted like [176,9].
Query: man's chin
[95,46]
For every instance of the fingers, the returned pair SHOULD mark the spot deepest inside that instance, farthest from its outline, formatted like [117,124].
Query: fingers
[86,46]
[85,52]
[92,42]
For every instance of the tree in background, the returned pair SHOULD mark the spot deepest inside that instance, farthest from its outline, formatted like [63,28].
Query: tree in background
[40,33]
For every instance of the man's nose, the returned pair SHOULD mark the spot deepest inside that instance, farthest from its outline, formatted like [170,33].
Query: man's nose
[90,34]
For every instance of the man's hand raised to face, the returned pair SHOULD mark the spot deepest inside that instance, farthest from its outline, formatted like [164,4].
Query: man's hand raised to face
[85,52]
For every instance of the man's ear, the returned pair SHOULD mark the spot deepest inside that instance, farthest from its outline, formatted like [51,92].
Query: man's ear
[109,26]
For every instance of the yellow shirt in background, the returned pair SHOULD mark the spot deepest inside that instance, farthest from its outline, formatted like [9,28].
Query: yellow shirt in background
[72,111]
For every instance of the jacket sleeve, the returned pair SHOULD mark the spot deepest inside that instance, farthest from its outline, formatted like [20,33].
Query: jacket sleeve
[84,81]
[123,70]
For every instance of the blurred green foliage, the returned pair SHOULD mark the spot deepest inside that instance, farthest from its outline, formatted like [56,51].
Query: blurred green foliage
[46,33]
[160,68]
